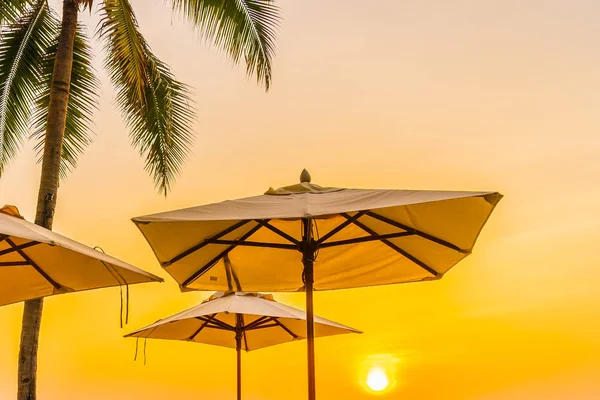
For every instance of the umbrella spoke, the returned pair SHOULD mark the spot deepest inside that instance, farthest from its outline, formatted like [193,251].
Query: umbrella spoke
[278,231]
[235,277]
[20,247]
[363,239]
[396,248]
[285,328]
[205,242]
[13,263]
[217,327]
[240,242]
[244,332]
[228,272]
[217,322]
[269,322]
[191,338]
[416,232]
[33,264]
[341,226]
[263,322]
[273,325]
[257,322]
[214,261]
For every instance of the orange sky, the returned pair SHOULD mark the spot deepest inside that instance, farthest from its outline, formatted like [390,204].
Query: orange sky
[466,95]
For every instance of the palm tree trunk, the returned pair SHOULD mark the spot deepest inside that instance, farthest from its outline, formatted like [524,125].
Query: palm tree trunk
[55,129]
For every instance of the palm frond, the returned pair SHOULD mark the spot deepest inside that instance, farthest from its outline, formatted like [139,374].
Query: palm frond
[155,106]
[83,101]
[243,28]
[22,49]
[10,10]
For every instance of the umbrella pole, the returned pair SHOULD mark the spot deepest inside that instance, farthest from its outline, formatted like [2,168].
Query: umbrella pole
[238,348]
[310,329]
[308,258]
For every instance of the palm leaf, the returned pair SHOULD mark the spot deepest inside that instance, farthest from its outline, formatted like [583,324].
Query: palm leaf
[10,10]
[155,106]
[241,27]
[22,49]
[83,101]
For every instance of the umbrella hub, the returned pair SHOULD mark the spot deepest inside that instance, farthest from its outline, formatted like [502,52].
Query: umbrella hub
[305,176]
[305,186]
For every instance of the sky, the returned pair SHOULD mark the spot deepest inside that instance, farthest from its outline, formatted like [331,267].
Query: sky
[462,95]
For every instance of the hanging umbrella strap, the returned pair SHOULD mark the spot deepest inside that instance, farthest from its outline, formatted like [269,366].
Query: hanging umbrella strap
[137,340]
[124,308]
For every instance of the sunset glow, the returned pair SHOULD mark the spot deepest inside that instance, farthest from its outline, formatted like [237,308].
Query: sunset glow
[446,95]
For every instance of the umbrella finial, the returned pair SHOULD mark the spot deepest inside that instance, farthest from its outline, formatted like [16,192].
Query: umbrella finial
[305,176]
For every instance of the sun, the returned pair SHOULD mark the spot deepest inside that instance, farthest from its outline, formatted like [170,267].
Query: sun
[377,379]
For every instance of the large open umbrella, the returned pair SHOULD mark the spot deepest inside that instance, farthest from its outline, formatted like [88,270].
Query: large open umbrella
[244,321]
[36,262]
[307,237]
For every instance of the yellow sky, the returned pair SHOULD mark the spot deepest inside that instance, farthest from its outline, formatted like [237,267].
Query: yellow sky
[466,95]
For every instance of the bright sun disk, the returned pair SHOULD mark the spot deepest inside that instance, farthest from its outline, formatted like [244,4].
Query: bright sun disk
[377,379]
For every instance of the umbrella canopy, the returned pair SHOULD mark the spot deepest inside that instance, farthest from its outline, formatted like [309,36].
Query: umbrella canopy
[243,321]
[308,237]
[264,322]
[37,262]
[363,237]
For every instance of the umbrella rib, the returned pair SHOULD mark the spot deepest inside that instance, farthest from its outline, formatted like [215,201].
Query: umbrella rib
[13,263]
[231,272]
[212,262]
[341,226]
[373,237]
[285,328]
[33,264]
[264,326]
[228,271]
[218,327]
[416,232]
[205,242]
[236,279]
[240,242]
[257,322]
[244,332]
[278,231]
[263,322]
[217,322]
[20,247]
[191,338]
[396,248]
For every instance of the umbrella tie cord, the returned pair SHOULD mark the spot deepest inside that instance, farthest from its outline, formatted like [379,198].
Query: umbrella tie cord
[137,341]
[127,304]
[117,275]
[124,310]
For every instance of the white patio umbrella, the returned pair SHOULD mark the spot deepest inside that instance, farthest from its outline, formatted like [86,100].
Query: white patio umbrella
[306,237]
[243,321]
[36,262]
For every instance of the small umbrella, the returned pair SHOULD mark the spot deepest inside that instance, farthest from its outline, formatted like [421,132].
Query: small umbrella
[305,237]
[37,262]
[244,321]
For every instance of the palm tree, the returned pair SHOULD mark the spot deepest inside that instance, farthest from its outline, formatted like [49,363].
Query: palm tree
[48,86]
